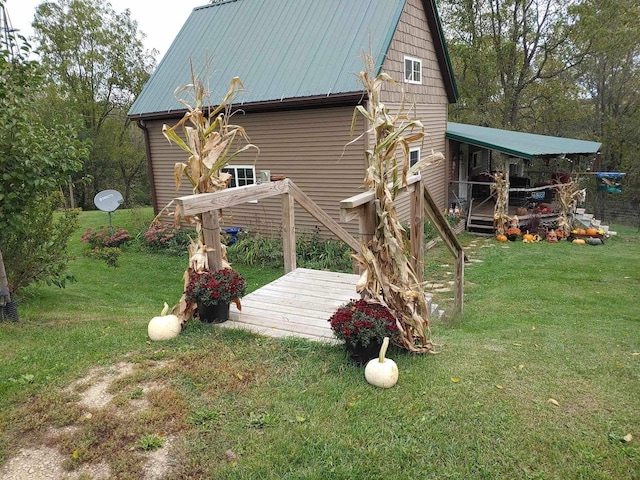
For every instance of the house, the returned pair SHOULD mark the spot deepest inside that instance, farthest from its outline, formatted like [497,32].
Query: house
[299,61]
[534,164]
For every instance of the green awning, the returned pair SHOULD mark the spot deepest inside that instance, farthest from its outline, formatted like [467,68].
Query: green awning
[519,144]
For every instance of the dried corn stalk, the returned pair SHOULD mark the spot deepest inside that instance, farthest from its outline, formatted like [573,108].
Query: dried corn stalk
[568,194]
[500,187]
[210,141]
[388,275]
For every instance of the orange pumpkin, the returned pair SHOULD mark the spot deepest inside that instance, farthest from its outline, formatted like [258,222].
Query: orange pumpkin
[591,231]
[513,231]
[581,231]
[501,238]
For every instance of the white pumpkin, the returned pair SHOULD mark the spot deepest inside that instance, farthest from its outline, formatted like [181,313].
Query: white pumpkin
[382,372]
[164,327]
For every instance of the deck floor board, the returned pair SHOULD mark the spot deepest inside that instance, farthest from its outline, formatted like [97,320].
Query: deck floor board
[297,304]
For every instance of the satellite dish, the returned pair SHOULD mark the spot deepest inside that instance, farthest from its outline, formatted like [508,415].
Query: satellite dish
[108,200]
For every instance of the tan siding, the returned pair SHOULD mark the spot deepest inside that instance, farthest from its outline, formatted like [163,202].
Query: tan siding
[413,38]
[307,146]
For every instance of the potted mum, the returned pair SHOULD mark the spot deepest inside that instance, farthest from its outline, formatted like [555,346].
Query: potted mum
[363,324]
[214,291]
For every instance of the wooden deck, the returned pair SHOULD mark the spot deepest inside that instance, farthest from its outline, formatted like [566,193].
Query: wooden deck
[297,304]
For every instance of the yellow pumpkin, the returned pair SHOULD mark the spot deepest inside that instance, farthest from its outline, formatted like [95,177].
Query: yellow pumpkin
[501,238]
[581,231]
[527,238]
[579,241]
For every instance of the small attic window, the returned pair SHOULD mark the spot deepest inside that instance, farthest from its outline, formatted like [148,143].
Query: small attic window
[412,70]
[414,156]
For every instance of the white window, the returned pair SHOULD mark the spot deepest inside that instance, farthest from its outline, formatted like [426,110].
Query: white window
[414,156]
[412,70]
[241,175]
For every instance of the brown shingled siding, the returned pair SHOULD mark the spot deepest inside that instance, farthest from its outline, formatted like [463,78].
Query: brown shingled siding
[307,146]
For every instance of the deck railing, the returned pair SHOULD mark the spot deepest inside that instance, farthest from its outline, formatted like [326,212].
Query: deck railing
[209,206]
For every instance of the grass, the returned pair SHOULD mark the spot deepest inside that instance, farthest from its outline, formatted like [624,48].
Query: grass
[541,322]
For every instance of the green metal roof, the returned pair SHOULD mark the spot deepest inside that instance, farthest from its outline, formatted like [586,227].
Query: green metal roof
[283,50]
[280,49]
[519,144]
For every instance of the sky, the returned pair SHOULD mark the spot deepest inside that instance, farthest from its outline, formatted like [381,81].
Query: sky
[160,20]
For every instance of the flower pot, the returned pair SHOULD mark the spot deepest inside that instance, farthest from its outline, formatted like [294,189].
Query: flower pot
[360,354]
[213,313]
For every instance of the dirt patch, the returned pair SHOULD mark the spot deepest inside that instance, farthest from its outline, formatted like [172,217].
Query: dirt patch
[44,462]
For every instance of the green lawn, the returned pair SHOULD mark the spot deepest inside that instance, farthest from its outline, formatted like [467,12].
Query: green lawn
[542,322]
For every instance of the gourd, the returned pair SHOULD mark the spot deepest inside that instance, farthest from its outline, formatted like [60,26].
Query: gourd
[501,238]
[382,372]
[164,327]
[579,241]
[594,241]
[528,238]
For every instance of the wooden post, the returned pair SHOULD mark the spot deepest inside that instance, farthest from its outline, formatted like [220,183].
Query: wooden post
[211,233]
[417,230]
[458,288]
[288,233]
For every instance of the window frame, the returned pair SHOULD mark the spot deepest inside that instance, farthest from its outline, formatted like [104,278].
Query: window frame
[234,174]
[413,150]
[411,79]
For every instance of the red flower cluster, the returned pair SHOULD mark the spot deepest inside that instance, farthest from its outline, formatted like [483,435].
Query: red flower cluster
[212,288]
[159,234]
[106,237]
[360,322]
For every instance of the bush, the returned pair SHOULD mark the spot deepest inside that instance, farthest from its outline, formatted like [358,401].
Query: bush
[312,252]
[165,237]
[105,237]
[36,248]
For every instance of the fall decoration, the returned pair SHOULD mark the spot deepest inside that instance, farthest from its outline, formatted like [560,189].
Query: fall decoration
[211,143]
[361,322]
[579,241]
[567,195]
[164,327]
[501,238]
[387,273]
[552,237]
[382,372]
[500,188]
[213,288]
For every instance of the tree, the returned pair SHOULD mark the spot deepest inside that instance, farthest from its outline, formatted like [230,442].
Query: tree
[608,32]
[97,64]
[503,51]
[35,161]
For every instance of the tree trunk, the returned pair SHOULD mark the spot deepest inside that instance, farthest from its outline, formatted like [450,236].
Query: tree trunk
[4,283]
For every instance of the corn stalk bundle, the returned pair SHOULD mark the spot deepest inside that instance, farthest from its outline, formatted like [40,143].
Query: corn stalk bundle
[210,142]
[388,274]
[568,194]
[500,188]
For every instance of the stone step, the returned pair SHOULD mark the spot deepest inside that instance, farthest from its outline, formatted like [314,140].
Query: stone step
[580,211]
[587,216]
[595,223]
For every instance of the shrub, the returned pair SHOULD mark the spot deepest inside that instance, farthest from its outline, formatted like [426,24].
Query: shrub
[165,237]
[105,237]
[35,249]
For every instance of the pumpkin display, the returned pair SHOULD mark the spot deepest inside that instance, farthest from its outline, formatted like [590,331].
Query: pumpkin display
[579,241]
[382,372]
[501,238]
[164,327]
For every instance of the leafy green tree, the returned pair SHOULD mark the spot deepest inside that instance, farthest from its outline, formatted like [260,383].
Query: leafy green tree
[608,31]
[97,64]
[35,161]
[503,52]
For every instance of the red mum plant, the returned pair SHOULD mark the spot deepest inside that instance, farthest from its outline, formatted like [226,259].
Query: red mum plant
[213,288]
[361,322]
